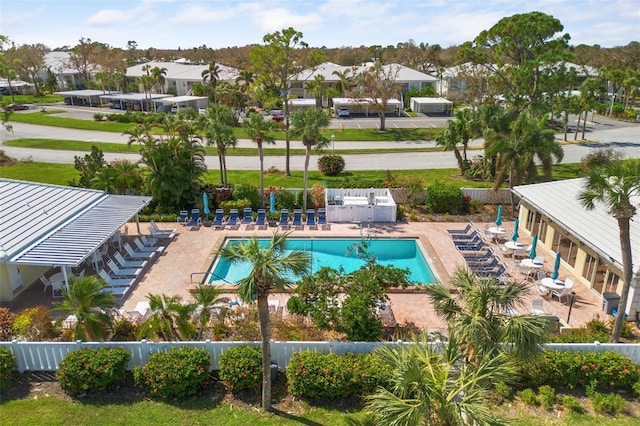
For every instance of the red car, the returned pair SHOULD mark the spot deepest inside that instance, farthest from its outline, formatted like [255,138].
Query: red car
[16,107]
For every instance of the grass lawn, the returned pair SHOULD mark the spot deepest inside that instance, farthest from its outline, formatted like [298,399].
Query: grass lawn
[49,118]
[31,99]
[58,174]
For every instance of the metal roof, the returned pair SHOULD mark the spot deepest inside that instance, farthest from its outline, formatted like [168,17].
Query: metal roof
[596,228]
[402,74]
[55,225]
[182,71]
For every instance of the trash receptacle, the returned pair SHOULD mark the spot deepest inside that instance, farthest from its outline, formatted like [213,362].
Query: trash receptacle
[610,301]
[274,371]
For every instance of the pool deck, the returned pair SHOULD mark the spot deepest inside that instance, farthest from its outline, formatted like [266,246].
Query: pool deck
[193,251]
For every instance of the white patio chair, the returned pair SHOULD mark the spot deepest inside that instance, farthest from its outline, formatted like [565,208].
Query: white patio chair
[565,292]
[46,282]
[537,306]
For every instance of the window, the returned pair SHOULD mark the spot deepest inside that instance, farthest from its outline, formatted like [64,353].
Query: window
[533,222]
[542,231]
[567,248]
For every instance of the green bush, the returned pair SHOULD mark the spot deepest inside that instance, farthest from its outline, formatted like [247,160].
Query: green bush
[174,375]
[547,396]
[503,390]
[243,191]
[241,368]
[610,404]
[572,404]
[299,196]
[579,369]
[331,165]
[528,396]
[92,370]
[445,199]
[285,200]
[235,204]
[7,367]
[6,324]
[124,331]
[34,324]
[315,375]
[636,388]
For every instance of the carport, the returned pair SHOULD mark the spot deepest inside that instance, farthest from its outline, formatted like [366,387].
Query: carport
[134,101]
[365,106]
[298,104]
[82,97]
[195,102]
[431,106]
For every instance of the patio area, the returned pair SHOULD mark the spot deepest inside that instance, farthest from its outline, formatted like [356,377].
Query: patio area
[193,251]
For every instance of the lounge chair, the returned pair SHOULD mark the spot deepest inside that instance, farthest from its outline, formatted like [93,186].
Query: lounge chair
[129,263]
[140,312]
[132,254]
[117,292]
[296,223]
[115,282]
[261,220]
[218,219]
[537,306]
[466,237]
[161,233]
[146,249]
[311,219]
[232,220]
[492,272]
[120,272]
[284,219]
[461,231]
[565,292]
[183,218]
[471,247]
[478,257]
[322,219]
[247,218]
[483,266]
[195,220]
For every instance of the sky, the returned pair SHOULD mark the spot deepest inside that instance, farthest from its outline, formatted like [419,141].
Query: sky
[169,24]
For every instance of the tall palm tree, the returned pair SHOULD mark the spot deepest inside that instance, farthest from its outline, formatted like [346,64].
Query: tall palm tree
[86,300]
[169,319]
[218,123]
[259,130]
[317,88]
[269,267]
[126,176]
[158,74]
[210,77]
[244,80]
[345,82]
[614,184]
[430,384]
[479,314]
[206,300]
[462,130]
[307,123]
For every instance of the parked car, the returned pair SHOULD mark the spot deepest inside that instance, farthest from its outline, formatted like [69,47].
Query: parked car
[276,114]
[16,107]
[343,112]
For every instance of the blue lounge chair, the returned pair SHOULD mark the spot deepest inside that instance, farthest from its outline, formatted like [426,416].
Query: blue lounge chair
[311,219]
[232,220]
[322,219]
[183,218]
[471,247]
[261,220]
[461,231]
[466,237]
[247,216]
[284,219]
[297,219]
[478,257]
[195,220]
[218,219]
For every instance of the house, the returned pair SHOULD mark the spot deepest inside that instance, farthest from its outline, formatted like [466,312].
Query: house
[44,226]
[181,75]
[59,64]
[588,240]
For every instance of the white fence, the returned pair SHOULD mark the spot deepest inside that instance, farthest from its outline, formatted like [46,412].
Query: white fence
[45,356]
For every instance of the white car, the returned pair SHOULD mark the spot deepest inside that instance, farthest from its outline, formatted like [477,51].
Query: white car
[343,112]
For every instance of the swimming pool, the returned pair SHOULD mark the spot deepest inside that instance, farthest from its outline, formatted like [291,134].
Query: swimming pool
[402,253]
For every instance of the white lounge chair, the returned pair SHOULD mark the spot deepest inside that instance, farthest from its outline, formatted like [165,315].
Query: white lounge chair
[117,292]
[115,282]
[135,254]
[129,263]
[161,233]
[123,272]
[145,249]
[140,311]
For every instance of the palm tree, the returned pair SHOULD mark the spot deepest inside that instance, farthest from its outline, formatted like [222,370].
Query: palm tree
[158,74]
[210,77]
[218,124]
[345,83]
[462,130]
[259,130]
[169,319]
[86,300]
[244,80]
[614,184]
[270,266]
[479,314]
[430,384]
[307,123]
[207,299]
[126,176]
[317,88]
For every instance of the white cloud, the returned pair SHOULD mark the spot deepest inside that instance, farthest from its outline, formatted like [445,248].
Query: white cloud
[199,14]
[108,17]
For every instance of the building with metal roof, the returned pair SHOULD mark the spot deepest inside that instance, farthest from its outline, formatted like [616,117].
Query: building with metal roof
[44,226]
[588,240]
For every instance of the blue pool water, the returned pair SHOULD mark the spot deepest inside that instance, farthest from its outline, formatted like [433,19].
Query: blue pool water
[401,253]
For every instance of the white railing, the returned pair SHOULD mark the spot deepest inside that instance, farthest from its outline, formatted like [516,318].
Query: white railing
[46,356]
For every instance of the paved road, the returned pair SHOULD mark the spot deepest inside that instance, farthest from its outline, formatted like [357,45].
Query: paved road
[625,138]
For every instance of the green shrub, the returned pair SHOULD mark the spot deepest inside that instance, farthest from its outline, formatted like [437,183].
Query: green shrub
[299,196]
[241,368]
[174,375]
[34,324]
[285,200]
[235,204]
[124,331]
[92,370]
[572,404]
[315,375]
[528,396]
[610,404]
[7,367]
[636,388]
[331,165]
[98,116]
[547,396]
[579,369]
[6,324]
[502,391]
[445,199]
[243,191]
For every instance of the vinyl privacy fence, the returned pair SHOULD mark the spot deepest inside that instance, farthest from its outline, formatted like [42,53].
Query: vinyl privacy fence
[46,356]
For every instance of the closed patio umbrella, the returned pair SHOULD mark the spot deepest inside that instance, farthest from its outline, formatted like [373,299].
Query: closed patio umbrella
[532,252]
[205,202]
[515,236]
[272,202]
[499,218]
[556,267]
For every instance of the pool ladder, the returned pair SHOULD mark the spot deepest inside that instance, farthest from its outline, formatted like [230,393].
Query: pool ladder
[368,231]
